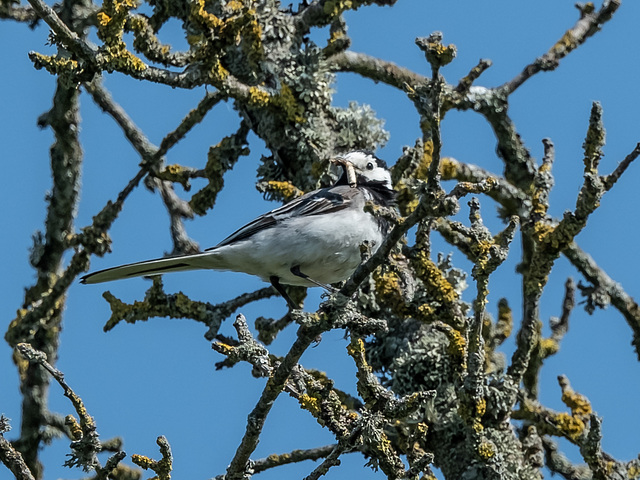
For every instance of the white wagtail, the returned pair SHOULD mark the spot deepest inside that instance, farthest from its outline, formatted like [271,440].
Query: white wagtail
[314,240]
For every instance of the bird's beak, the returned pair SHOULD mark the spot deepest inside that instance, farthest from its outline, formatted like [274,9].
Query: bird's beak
[348,168]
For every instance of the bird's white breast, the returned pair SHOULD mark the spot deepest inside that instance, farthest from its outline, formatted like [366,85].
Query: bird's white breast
[327,249]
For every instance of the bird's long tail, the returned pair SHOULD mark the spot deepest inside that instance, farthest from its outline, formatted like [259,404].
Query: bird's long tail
[151,267]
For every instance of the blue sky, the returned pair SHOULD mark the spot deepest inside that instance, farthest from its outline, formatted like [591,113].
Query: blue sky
[159,378]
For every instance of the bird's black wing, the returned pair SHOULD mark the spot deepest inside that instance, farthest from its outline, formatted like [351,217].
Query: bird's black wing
[323,201]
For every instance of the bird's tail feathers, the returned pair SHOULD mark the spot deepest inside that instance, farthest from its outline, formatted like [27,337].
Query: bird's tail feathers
[157,266]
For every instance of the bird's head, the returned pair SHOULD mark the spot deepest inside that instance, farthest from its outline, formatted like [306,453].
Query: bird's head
[362,168]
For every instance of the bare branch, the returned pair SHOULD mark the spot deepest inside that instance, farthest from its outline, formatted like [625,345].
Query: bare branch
[86,444]
[613,177]
[194,117]
[375,69]
[10,457]
[275,460]
[589,24]
[136,137]
[558,463]
[465,83]
[619,297]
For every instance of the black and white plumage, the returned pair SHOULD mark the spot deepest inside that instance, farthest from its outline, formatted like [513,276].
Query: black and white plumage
[312,240]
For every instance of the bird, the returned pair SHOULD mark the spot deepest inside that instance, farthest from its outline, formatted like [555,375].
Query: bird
[314,240]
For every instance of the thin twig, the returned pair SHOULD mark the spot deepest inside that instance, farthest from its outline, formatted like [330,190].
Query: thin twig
[151,157]
[194,117]
[10,457]
[307,334]
[136,137]
[275,460]
[332,460]
[589,24]
[620,299]
[613,177]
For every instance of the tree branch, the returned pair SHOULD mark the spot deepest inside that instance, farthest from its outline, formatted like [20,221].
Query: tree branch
[275,460]
[12,458]
[620,299]
[589,24]
[375,69]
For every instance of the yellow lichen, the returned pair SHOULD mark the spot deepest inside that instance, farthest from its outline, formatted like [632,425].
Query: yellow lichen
[217,72]
[426,311]
[579,404]
[457,347]
[540,207]
[111,21]
[438,286]
[258,97]
[422,172]
[477,426]
[57,65]
[457,344]
[565,44]
[73,426]
[103,19]
[505,318]
[356,347]
[406,198]
[224,348]
[142,461]
[542,231]
[207,19]
[548,347]
[286,189]
[572,427]
[389,288]
[288,103]
[486,450]
[234,5]
[481,407]
[481,250]
[448,169]
[336,35]
[309,403]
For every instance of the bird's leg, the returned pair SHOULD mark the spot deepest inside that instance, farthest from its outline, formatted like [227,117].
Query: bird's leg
[275,282]
[296,271]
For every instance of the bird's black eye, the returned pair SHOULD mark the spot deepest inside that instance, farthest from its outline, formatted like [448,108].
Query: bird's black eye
[369,166]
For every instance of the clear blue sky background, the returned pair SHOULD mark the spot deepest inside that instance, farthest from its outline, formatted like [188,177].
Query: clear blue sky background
[159,378]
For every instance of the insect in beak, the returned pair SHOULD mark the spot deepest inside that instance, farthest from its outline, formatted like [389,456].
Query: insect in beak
[348,168]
